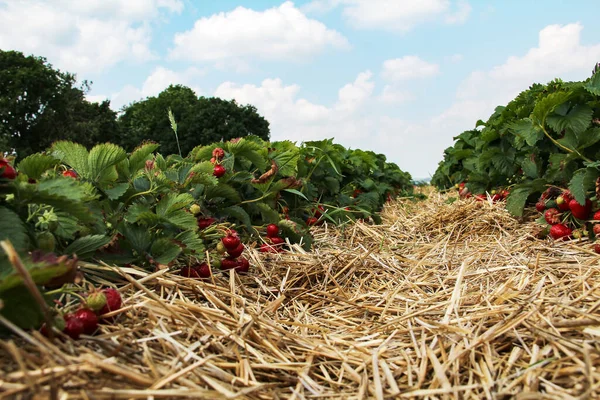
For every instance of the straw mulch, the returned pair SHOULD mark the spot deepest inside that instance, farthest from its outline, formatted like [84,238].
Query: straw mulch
[441,301]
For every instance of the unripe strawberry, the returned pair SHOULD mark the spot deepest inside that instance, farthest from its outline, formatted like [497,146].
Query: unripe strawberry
[195,209]
[221,249]
[96,301]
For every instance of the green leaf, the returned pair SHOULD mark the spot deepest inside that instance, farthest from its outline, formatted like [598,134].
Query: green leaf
[102,161]
[268,214]
[164,250]
[546,105]
[530,168]
[577,186]
[137,236]
[138,158]
[224,191]
[517,199]
[297,193]
[191,241]
[173,202]
[576,120]
[525,129]
[13,229]
[286,156]
[116,191]
[36,164]
[72,154]
[180,219]
[86,246]
[238,213]
[21,308]
[593,85]
[296,233]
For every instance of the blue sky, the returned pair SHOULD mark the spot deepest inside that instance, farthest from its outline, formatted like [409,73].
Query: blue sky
[399,77]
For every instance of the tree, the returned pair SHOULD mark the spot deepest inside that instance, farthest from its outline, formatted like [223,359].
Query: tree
[199,121]
[40,104]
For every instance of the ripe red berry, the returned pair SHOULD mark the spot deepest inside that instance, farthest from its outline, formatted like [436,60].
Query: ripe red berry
[237,251]
[277,241]
[113,300]
[311,221]
[204,223]
[228,263]
[266,248]
[219,171]
[560,231]
[580,211]
[540,206]
[89,319]
[8,171]
[203,270]
[272,230]
[596,216]
[218,153]
[552,216]
[231,241]
[74,327]
[597,248]
[243,266]
[189,272]
[596,229]
[70,173]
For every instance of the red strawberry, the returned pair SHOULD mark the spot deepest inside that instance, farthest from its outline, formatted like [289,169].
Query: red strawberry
[8,171]
[272,230]
[70,173]
[266,248]
[228,263]
[318,211]
[237,251]
[231,241]
[596,216]
[311,221]
[560,231]
[552,216]
[219,171]
[203,271]
[563,200]
[74,326]
[480,197]
[597,248]
[113,300]
[277,241]
[204,223]
[89,319]
[218,153]
[540,206]
[497,197]
[356,192]
[579,211]
[596,229]
[189,272]
[243,266]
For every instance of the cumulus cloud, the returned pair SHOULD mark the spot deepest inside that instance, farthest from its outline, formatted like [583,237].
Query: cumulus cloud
[408,67]
[394,15]
[156,82]
[282,32]
[82,36]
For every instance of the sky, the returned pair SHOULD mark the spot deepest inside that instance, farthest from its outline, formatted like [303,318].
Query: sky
[399,77]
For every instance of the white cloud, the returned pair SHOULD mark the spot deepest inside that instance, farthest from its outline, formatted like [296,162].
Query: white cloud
[408,67]
[155,83]
[82,36]
[395,15]
[392,95]
[282,32]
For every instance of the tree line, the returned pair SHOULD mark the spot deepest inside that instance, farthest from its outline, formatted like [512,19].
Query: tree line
[40,104]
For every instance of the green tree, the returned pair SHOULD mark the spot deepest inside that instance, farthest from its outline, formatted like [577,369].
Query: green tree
[199,121]
[40,105]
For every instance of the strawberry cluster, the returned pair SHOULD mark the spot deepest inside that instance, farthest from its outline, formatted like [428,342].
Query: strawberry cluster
[495,195]
[217,157]
[274,243]
[567,218]
[85,320]
[316,217]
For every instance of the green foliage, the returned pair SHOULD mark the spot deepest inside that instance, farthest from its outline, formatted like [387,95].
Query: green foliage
[40,104]
[199,121]
[548,135]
